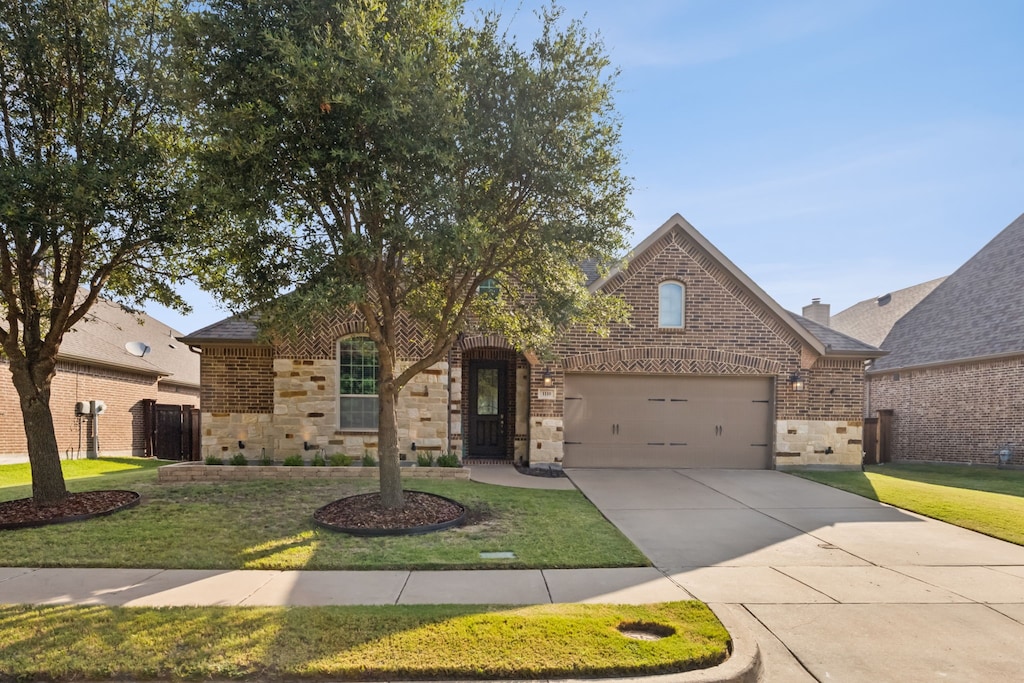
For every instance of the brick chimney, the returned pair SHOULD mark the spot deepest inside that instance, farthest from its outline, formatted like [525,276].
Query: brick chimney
[818,312]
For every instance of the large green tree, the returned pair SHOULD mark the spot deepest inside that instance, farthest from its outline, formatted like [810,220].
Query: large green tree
[389,156]
[91,196]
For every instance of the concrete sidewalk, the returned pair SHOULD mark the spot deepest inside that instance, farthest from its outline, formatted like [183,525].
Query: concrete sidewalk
[181,587]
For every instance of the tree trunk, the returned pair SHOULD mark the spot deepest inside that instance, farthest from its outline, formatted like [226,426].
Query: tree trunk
[391,494]
[44,457]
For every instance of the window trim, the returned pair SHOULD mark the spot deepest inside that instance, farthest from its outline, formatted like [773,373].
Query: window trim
[339,396]
[682,305]
[489,287]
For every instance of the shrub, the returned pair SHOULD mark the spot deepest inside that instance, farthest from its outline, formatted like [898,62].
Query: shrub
[339,460]
[425,460]
[213,460]
[238,459]
[369,460]
[448,460]
[294,461]
[265,460]
[318,460]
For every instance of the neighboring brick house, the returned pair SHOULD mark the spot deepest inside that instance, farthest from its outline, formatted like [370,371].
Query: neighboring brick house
[94,364]
[955,367]
[709,372]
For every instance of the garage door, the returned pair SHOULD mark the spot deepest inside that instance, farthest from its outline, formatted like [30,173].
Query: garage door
[658,421]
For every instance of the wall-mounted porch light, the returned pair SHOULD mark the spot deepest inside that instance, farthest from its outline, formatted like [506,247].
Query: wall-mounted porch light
[797,382]
[241,444]
[306,446]
[548,377]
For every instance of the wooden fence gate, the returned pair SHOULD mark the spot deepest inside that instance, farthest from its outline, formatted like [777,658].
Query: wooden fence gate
[871,441]
[171,432]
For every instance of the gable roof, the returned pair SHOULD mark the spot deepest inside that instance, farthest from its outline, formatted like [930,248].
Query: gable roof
[677,222]
[100,338]
[978,312]
[827,342]
[872,319]
[836,343]
[237,328]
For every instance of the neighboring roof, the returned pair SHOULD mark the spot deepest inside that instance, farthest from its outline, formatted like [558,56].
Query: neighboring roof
[836,343]
[677,222]
[977,312]
[871,319]
[237,328]
[590,270]
[100,339]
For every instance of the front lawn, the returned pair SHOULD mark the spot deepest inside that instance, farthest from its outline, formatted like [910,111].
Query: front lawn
[21,474]
[268,525]
[982,499]
[353,643]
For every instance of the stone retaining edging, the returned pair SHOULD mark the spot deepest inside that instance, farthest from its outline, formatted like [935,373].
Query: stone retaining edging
[184,472]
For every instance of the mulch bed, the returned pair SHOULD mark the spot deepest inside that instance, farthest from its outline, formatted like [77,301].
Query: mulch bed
[365,511]
[24,512]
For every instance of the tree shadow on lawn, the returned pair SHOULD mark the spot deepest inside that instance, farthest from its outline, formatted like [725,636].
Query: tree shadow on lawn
[348,643]
[974,477]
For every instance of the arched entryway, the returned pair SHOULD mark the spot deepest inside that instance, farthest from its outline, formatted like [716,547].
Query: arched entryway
[493,406]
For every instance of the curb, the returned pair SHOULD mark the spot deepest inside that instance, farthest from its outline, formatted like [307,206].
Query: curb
[743,666]
[744,663]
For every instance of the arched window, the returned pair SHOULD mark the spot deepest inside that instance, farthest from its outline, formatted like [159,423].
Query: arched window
[359,371]
[671,304]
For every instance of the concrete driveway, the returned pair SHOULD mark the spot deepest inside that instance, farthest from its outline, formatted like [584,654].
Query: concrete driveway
[834,586]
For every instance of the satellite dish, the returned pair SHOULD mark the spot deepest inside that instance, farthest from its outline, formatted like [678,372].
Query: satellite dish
[137,348]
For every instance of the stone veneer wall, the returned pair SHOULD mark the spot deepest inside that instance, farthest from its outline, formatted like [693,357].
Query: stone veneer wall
[305,411]
[961,412]
[809,442]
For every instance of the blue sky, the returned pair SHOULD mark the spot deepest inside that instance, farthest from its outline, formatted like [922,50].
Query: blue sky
[837,149]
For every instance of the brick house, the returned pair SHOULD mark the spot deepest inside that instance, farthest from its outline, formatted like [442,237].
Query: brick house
[95,364]
[709,372]
[952,378]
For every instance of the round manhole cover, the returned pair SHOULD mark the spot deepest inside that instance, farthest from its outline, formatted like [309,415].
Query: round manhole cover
[642,630]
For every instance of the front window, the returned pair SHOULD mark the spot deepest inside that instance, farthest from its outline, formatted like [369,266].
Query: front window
[359,373]
[488,287]
[670,304]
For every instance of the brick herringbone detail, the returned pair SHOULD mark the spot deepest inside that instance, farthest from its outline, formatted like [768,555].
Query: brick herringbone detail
[489,340]
[667,359]
[319,340]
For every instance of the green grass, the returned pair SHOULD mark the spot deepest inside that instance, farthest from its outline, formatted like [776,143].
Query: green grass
[268,525]
[353,643]
[21,475]
[987,500]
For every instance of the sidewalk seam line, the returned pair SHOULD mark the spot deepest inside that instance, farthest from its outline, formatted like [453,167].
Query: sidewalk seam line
[405,584]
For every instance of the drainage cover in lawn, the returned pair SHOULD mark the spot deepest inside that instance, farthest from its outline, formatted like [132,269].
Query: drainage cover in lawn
[500,555]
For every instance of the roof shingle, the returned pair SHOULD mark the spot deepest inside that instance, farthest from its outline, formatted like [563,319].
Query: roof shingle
[835,342]
[978,311]
[870,320]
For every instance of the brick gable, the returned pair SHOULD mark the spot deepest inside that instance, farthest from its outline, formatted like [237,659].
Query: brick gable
[727,330]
